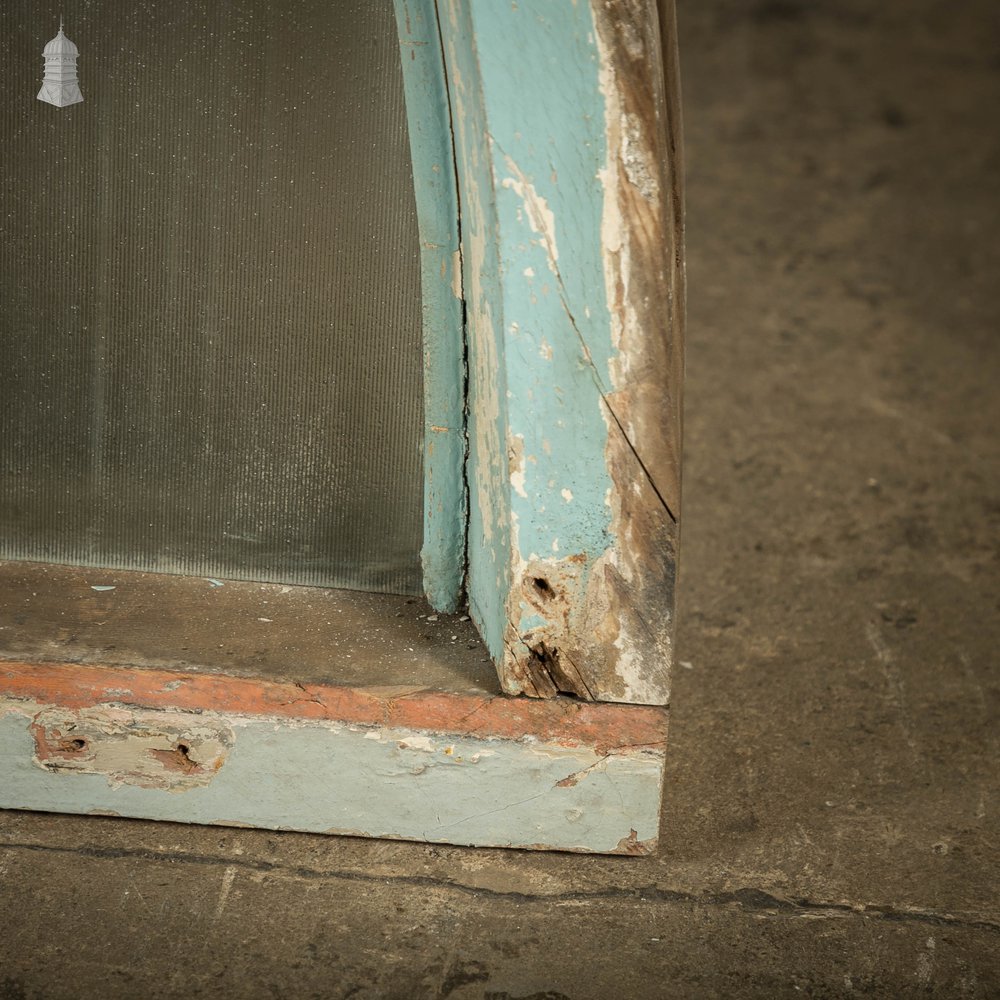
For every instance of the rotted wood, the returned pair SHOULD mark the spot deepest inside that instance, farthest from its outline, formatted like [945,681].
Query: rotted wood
[622,625]
[573,242]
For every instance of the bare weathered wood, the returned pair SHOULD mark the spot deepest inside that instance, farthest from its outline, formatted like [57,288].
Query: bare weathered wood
[568,149]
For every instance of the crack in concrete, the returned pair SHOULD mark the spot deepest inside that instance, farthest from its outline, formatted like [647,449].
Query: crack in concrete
[749,900]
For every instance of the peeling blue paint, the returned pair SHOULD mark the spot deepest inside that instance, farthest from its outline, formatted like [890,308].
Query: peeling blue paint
[488,550]
[330,778]
[530,142]
[550,151]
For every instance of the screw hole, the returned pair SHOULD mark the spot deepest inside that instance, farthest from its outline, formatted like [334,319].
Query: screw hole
[542,586]
[78,744]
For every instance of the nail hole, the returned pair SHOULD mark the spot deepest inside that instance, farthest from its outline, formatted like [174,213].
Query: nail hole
[78,744]
[183,749]
[542,585]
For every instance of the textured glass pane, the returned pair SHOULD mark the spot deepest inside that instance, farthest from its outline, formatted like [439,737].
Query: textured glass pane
[209,293]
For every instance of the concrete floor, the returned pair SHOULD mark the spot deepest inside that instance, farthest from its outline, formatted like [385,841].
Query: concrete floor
[832,817]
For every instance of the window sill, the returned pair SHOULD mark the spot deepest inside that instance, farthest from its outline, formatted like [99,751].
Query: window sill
[298,708]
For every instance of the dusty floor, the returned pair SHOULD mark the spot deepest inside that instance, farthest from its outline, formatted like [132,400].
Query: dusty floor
[832,823]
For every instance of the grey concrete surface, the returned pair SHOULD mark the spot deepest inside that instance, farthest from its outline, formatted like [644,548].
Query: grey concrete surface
[832,803]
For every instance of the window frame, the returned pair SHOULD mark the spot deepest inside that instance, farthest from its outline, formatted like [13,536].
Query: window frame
[505,173]
[566,205]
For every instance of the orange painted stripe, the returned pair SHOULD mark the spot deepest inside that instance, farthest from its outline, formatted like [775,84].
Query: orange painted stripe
[564,721]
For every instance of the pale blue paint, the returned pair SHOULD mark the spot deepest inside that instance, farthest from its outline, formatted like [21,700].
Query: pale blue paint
[525,88]
[546,114]
[328,778]
[489,536]
[443,553]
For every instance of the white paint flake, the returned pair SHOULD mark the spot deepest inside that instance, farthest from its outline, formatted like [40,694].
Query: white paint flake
[517,465]
[540,216]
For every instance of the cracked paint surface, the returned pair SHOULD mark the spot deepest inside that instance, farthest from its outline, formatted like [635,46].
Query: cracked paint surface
[560,169]
[331,776]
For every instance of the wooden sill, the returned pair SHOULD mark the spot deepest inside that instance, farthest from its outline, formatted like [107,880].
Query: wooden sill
[283,707]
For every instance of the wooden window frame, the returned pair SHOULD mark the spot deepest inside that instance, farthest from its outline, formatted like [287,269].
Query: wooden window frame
[545,139]
[565,121]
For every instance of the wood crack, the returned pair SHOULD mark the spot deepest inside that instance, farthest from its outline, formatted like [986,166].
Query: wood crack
[537,221]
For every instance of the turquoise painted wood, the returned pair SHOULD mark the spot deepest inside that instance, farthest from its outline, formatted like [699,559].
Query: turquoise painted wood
[489,529]
[428,116]
[330,777]
[568,189]
[527,95]
[546,149]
